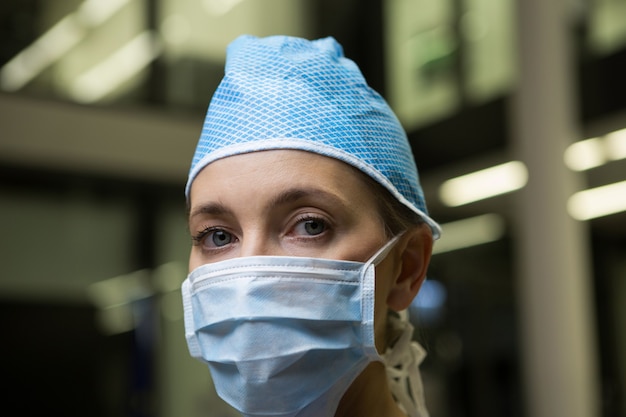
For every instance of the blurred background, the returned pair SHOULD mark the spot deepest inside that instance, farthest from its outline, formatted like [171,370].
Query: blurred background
[517,115]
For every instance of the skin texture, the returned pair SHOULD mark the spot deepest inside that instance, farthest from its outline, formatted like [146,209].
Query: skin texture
[296,203]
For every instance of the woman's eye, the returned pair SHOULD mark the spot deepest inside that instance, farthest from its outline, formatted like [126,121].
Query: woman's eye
[221,238]
[312,227]
[213,238]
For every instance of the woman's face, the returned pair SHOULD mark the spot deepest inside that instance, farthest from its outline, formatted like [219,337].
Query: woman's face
[288,202]
[282,202]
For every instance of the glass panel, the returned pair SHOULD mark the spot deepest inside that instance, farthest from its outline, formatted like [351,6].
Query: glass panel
[607,26]
[487,27]
[421,47]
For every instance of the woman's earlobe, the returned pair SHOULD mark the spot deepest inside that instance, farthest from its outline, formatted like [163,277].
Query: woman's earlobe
[416,249]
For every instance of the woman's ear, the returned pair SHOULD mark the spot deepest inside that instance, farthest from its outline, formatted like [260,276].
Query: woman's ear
[415,248]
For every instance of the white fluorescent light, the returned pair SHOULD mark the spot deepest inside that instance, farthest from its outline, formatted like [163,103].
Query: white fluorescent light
[598,202]
[591,153]
[616,144]
[95,12]
[585,154]
[483,184]
[120,290]
[116,298]
[55,43]
[469,232]
[108,75]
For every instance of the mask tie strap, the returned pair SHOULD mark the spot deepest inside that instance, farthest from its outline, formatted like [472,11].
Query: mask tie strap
[402,361]
[368,293]
[382,253]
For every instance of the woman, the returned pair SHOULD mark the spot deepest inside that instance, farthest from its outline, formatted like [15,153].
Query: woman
[310,238]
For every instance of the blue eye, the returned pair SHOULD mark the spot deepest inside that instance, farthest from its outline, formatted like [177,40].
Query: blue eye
[314,227]
[213,238]
[221,238]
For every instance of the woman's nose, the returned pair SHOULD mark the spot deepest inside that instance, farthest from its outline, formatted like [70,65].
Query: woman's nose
[259,244]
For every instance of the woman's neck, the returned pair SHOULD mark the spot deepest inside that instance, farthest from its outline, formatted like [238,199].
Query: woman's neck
[369,395]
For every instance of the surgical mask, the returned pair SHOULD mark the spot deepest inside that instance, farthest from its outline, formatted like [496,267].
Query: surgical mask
[283,336]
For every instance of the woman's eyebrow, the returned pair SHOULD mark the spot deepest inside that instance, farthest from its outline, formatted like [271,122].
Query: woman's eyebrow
[209,208]
[294,194]
[285,197]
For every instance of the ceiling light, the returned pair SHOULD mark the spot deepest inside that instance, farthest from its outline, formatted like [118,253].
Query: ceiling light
[30,62]
[591,153]
[56,42]
[120,66]
[598,202]
[616,144]
[483,184]
[470,232]
[585,154]
[95,12]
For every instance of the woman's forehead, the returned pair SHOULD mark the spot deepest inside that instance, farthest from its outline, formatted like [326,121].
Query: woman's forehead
[274,170]
[285,161]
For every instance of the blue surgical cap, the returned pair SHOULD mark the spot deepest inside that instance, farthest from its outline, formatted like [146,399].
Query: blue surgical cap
[283,92]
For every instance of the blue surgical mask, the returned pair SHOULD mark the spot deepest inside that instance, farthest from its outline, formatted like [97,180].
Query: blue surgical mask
[283,336]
